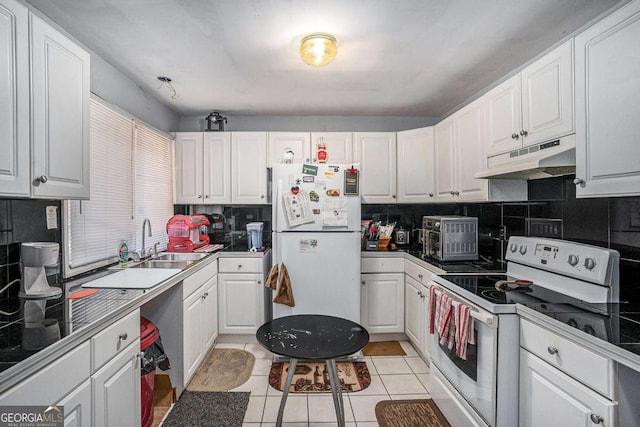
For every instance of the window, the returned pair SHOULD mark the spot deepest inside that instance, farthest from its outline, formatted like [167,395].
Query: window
[131,178]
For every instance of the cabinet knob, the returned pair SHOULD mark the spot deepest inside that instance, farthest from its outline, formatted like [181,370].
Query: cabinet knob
[420,293]
[199,196]
[596,419]
[515,136]
[578,181]
[262,196]
[206,197]
[393,196]
[42,179]
[420,276]
[552,350]
[363,282]
[453,193]
[206,294]
[239,266]
[524,133]
[259,282]
[430,194]
[123,336]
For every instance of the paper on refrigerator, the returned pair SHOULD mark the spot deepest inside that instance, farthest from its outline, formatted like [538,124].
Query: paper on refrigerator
[335,212]
[297,208]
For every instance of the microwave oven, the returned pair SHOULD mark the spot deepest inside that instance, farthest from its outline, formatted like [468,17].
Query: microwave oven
[450,238]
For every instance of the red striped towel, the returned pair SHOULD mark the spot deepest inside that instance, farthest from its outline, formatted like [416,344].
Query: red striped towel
[443,320]
[463,329]
[431,308]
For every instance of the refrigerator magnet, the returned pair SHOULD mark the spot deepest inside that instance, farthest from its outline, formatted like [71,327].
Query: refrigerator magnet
[313,196]
[308,179]
[310,170]
[351,182]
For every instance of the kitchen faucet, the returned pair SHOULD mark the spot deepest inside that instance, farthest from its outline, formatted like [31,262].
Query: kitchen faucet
[144,223]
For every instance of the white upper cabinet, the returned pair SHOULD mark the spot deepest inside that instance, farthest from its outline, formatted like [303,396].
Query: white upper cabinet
[608,105]
[203,167]
[304,145]
[299,143]
[533,106]
[60,114]
[14,104]
[44,110]
[459,154]
[376,153]
[249,167]
[415,166]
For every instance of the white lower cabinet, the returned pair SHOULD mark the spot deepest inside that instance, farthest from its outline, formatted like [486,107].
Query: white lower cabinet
[413,297]
[549,397]
[382,302]
[116,390]
[77,406]
[563,383]
[240,299]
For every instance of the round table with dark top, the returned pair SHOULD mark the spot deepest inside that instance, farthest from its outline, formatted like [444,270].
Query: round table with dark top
[313,337]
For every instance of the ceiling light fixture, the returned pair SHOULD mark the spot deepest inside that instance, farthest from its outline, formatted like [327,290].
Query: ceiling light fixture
[318,49]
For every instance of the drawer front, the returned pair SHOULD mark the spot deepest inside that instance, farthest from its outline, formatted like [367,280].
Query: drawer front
[115,338]
[589,368]
[382,265]
[240,265]
[197,279]
[420,274]
[52,383]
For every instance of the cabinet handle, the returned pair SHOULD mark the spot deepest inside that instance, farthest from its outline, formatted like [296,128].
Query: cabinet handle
[552,350]
[123,336]
[515,136]
[524,132]
[42,179]
[578,181]
[596,419]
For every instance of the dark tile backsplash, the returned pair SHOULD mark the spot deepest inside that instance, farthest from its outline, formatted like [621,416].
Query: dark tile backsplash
[23,220]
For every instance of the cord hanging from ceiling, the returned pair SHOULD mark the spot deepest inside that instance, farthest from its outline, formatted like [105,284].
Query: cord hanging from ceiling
[167,81]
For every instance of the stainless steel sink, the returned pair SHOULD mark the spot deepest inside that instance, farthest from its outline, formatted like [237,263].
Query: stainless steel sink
[181,256]
[163,264]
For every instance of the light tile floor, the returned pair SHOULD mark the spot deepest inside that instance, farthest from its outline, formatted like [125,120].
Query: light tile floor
[392,377]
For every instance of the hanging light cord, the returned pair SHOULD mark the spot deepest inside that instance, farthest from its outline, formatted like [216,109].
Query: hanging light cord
[167,81]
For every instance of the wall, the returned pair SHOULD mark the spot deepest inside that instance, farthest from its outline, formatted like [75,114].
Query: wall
[310,123]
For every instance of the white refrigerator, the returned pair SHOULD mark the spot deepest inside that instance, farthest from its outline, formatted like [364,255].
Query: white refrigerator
[316,234]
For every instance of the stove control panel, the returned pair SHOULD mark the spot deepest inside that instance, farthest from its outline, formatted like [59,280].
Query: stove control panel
[585,262]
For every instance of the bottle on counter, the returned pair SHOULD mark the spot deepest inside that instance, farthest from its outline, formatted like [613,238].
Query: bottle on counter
[123,254]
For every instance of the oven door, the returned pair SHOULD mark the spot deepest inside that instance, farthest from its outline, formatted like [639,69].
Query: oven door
[474,378]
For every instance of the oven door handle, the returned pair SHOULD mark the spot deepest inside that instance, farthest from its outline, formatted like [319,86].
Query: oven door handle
[486,318]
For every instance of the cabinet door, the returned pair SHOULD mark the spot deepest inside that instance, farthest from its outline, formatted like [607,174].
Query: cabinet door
[469,152]
[413,324]
[60,114]
[415,166]
[77,406]
[376,153]
[382,302]
[210,313]
[298,142]
[14,103]
[217,168]
[547,96]
[189,168]
[116,390]
[240,303]
[607,99]
[444,148]
[339,146]
[249,170]
[504,116]
[549,397]
[193,332]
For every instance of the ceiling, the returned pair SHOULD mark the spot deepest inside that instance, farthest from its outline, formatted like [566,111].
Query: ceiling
[395,57]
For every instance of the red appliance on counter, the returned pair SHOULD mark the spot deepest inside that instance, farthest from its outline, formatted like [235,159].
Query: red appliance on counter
[187,232]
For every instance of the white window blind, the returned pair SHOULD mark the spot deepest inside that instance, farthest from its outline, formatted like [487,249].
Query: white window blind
[131,177]
[153,184]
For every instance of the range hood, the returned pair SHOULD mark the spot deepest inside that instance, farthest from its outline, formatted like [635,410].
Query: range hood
[552,158]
